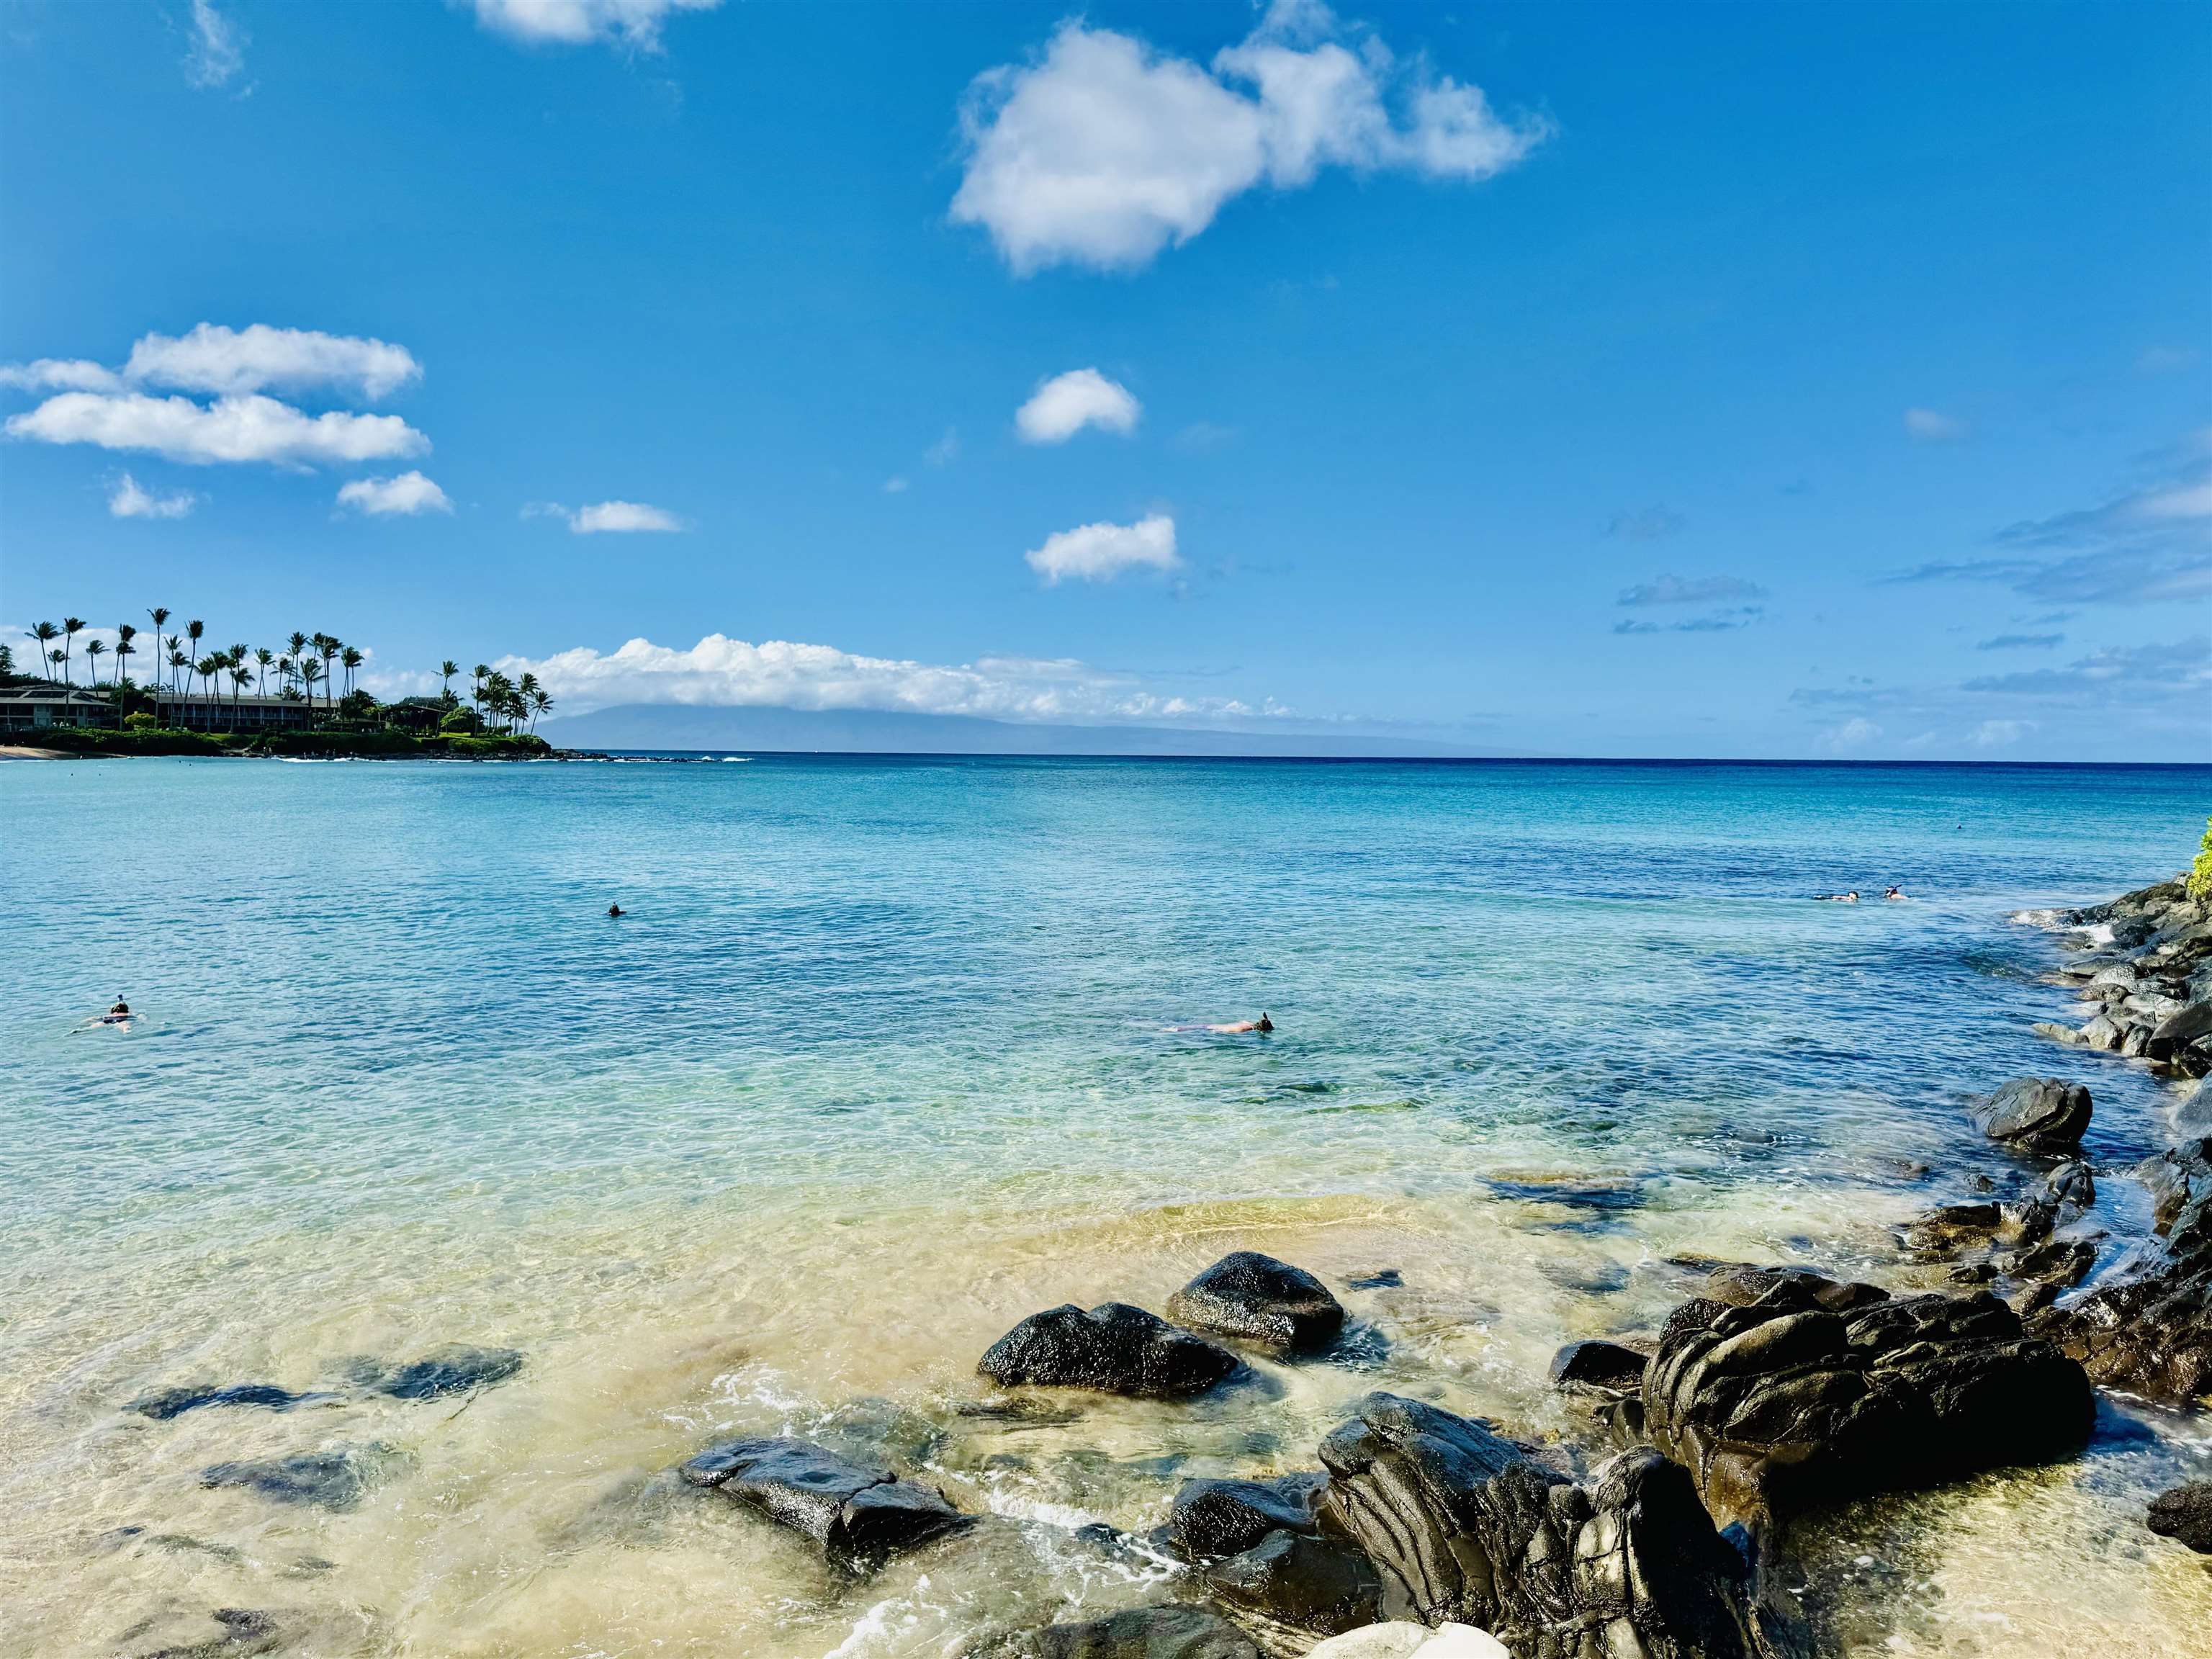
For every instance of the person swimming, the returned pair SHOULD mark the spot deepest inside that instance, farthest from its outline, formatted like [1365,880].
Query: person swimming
[616,910]
[1852,898]
[1262,1024]
[1894,893]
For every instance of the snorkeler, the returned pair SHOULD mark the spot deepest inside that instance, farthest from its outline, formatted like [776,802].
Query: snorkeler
[1894,893]
[1852,898]
[616,910]
[118,1014]
[1262,1024]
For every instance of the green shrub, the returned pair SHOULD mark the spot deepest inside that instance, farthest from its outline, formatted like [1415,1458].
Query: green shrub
[2200,873]
[144,720]
[461,719]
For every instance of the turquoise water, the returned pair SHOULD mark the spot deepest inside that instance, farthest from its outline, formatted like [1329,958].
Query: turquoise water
[887,1055]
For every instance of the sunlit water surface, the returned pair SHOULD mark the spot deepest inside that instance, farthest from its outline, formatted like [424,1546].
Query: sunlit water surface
[884,1058]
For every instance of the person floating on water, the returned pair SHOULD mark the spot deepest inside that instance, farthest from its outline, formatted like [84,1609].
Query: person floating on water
[616,910]
[118,1014]
[1852,898]
[1262,1024]
[1894,893]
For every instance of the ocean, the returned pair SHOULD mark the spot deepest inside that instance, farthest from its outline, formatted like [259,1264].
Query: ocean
[889,1053]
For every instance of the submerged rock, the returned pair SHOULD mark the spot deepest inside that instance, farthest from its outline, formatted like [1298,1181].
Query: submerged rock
[860,1515]
[1115,1348]
[454,1368]
[246,1630]
[1597,1367]
[1464,1526]
[1311,1583]
[338,1479]
[1786,1403]
[1401,1639]
[2037,1112]
[1262,1300]
[2185,1515]
[1214,1518]
[1171,1632]
[162,1404]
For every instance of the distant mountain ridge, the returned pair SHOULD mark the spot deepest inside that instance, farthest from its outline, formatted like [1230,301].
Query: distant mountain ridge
[859,731]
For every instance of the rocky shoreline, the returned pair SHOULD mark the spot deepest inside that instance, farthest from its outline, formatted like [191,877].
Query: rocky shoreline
[1666,1527]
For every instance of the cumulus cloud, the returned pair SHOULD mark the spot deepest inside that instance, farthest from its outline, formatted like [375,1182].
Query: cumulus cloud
[723,672]
[408,495]
[1679,590]
[61,374]
[259,358]
[635,23]
[129,501]
[1102,150]
[247,429]
[1100,552]
[1996,735]
[218,49]
[603,517]
[1931,427]
[1063,405]
[945,450]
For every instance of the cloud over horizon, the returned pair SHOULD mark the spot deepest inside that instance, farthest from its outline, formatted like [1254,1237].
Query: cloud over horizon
[1100,552]
[1062,406]
[1102,150]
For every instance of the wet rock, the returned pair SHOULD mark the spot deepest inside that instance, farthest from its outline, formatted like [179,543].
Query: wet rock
[2056,1033]
[1171,1632]
[2062,1261]
[2183,1039]
[2103,1032]
[1262,1300]
[2032,1298]
[454,1368]
[2185,1515]
[1319,1585]
[1115,1348]
[1597,1367]
[338,1479]
[1786,1403]
[1464,1526]
[1401,1639]
[2072,1184]
[860,1515]
[245,1632]
[1739,1285]
[1214,1518]
[163,1403]
[1389,1279]
[1950,1226]
[2036,1112]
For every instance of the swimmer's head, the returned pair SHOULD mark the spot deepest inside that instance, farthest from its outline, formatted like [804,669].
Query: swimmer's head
[1265,1024]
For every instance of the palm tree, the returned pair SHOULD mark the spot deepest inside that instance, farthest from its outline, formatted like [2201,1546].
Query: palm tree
[174,646]
[7,662]
[94,650]
[329,645]
[193,630]
[284,671]
[263,656]
[241,677]
[71,627]
[479,674]
[540,703]
[124,633]
[352,659]
[447,670]
[55,658]
[160,617]
[45,634]
[310,671]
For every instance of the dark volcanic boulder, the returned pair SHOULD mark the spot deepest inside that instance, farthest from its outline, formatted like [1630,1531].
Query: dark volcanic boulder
[1596,1367]
[860,1515]
[1214,1518]
[454,1368]
[1739,1285]
[337,1479]
[2185,1515]
[2038,1113]
[1134,1633]
[1115,1348]
[1321,1585]
[1465,1525]
[1262,1300]
[165,1403]
[1783,1404]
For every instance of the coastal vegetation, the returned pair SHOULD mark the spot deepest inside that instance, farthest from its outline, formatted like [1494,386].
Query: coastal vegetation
[298,698]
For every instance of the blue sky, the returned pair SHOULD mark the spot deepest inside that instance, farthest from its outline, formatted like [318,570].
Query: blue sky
[1642,381]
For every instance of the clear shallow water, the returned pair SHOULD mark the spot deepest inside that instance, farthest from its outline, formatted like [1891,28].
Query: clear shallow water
[884,1060]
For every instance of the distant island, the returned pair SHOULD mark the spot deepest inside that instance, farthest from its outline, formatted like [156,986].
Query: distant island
[247,700]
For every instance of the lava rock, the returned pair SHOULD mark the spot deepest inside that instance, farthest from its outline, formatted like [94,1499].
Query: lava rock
[2037,1112]
[244,1631]
[1321,1585]
[338,1479]
[454,1368]
[1462,1525]
[1260,1300]
[1739,1285]
[1114,1348]
[1597,1367]
[163,1403]
[1949,1225]
[1783,1403]
[1214,1518]
[860,1515]
[2185,1515]
[2071,1183]
[1169,1632]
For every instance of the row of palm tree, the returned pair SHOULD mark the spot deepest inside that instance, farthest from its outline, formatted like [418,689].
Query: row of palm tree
[308,665]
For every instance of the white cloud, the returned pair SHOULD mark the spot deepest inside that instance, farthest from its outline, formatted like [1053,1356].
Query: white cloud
[1930,427]
[607,516]
[577,23]
[723,672]
[945,450]
[218,48]
[1854,733]
[1101,151]
[249,429]
[1996,735]
[129,501]
[1063,405]
[61,374]
[1100,552]
[259,358]
[409,494]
